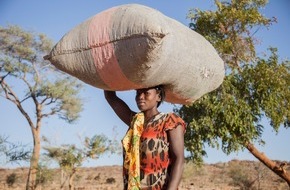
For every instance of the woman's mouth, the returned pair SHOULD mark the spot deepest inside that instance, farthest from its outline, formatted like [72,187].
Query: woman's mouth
[140,103]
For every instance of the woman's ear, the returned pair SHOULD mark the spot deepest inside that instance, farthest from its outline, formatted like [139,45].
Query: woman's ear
[159,98]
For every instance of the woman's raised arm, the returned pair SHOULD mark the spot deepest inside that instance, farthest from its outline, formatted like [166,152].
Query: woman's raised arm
[119,106]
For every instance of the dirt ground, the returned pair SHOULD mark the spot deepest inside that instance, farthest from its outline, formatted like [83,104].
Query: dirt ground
[233,175]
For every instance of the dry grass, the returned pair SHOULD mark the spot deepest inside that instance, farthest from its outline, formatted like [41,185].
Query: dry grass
[233,175]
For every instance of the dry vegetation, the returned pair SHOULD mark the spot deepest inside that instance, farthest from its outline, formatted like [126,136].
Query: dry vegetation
[233,175]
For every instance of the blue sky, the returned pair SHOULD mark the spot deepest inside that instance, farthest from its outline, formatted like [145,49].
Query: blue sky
[56,17]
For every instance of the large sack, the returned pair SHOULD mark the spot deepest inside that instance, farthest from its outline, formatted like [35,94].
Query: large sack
[134,46]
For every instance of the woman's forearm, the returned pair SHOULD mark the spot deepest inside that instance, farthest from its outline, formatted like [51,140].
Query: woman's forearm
[119,106]
[176,173]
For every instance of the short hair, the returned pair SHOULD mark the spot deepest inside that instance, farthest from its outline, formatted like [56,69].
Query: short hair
[161,92]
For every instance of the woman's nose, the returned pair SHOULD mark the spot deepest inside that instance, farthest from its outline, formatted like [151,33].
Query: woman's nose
[141,96]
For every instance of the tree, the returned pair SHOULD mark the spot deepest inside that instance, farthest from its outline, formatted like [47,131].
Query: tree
[13,152]
[50,92]
[70,158]
[255,88]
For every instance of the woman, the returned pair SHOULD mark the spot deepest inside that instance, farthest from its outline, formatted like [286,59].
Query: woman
[154,143]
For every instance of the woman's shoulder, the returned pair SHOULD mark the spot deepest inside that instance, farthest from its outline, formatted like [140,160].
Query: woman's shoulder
[172,120]
[173,115]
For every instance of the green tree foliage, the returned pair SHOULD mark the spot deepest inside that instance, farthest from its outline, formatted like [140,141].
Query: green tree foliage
[27,81]
[231,28]
[254,88]
[70,158]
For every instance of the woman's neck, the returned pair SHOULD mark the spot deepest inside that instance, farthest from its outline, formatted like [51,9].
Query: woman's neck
[149,114]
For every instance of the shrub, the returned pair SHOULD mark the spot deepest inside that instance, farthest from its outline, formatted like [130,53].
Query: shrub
[11,179]
[240,177]
[110,180]
[97,177]
[44,175]
[193,170]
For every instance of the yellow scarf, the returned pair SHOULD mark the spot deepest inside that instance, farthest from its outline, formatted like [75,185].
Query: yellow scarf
[131,144]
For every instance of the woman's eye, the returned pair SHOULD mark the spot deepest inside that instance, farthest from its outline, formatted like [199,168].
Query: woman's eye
[138,93]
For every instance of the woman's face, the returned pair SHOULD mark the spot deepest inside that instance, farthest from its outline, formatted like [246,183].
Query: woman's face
[147,98]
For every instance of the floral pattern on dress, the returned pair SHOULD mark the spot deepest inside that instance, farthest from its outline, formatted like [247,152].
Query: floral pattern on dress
[131,144]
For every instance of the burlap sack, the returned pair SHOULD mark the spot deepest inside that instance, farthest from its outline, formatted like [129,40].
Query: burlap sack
[134,46]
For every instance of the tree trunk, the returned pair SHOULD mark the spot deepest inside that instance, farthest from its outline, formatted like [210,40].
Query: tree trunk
[62,179]
[71,179]
[31,179]
[278,169]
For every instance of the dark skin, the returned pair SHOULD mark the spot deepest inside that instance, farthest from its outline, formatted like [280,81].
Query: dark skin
[147,100]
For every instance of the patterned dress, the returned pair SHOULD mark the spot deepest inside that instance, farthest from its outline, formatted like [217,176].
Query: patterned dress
[154,158]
